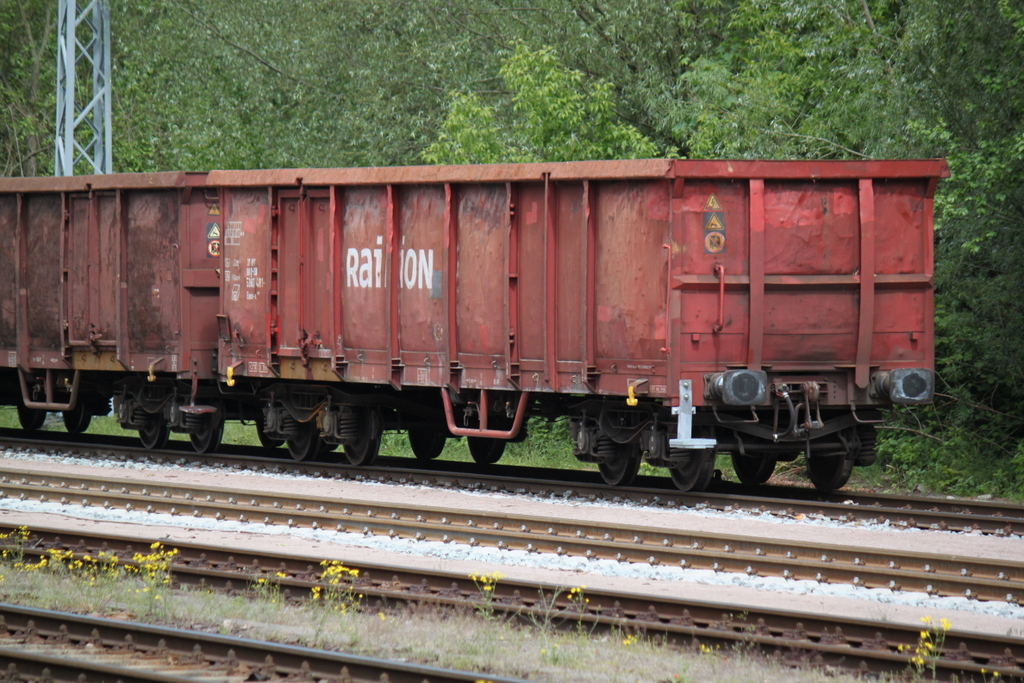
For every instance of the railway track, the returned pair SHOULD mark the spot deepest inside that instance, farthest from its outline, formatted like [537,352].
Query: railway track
[797,637]
[913,512]
[43,645]
[985,579]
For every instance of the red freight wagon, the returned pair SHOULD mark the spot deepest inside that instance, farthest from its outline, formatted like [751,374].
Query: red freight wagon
[670,309]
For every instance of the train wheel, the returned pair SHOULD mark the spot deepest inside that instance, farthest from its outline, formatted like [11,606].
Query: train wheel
[620,468]
[485,450]
[307,444]
[752,470]
[154,434]
[77,419]
[694,471]
[829,472]
[207,438]
[31,419]
[426,444]
[266,441]
[364,448]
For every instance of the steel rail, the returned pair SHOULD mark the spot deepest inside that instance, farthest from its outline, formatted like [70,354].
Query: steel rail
[834,640]
[913,512]
[983,579]
[206,656]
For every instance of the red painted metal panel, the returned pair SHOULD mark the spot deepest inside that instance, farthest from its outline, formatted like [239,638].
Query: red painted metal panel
[631,280]
[418,175]
[153,278]
[114,181]
[8,283]
[364,281]
[550,282]
[201,269]
[290,280]
[421,304]
[804,170]
[810,326]
[812,228]
[866,319]
[305,276]
[531,216]
[758,307]
[482,276]
[247,282]
[320,280]
[570,276]
[93,259]
[42,237]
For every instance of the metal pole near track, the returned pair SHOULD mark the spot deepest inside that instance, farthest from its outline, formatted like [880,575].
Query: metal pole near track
[83,131]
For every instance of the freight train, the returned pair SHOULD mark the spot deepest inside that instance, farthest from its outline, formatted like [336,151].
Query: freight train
[671,310]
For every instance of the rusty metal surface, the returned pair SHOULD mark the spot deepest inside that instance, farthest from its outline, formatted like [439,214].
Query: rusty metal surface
[247,281]
[800,170]
[581,277]
[417,175]
[42,224]
[202,240]
[8,283]
[153,293]
[93,259]
[365,319]
[481,273]
[111,181]
[421,302]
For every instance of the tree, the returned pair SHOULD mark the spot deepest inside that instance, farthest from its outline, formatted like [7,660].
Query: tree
[553,114]
[27,77]
[965,69]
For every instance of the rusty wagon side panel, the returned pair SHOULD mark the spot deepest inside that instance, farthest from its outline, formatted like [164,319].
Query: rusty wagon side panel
[97,274]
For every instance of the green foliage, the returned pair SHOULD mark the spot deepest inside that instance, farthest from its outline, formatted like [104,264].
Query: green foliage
[795,78]
[27,77]
[555,115]
[470,135]
[965,61]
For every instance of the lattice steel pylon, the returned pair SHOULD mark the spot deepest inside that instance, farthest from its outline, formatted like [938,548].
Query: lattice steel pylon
[83,129]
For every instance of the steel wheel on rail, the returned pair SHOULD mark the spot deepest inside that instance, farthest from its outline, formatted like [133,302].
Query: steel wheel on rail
[485,450]
[207,438]
[363,450]
[78,418]
[692,471]
[752,470]
[426,444]
[154,434]
[306,445]
[266,441]
[829,472]
[620,466]
[31,419]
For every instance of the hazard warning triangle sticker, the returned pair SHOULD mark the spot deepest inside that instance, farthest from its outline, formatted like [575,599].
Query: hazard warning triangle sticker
[713,222]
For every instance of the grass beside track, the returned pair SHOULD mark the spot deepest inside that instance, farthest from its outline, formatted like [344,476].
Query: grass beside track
[473,640]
